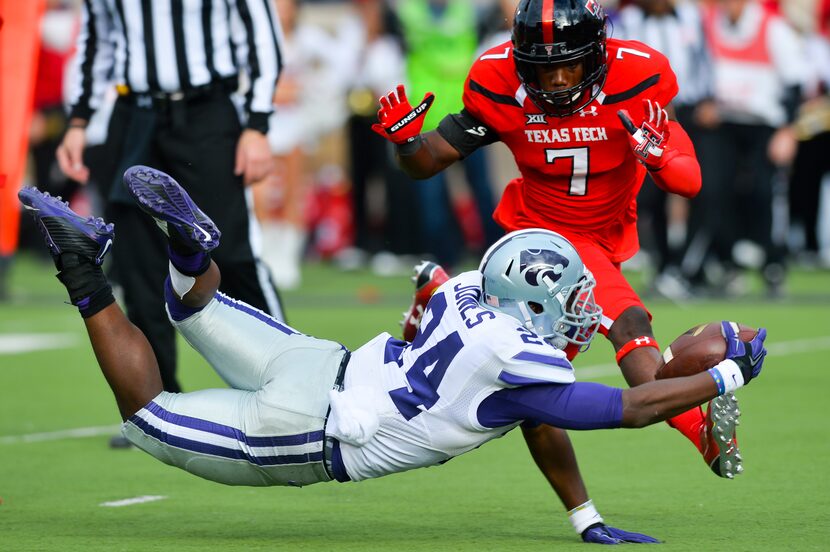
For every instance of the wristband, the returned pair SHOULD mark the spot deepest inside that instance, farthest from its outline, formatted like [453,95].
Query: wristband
[410,147]
[727,375]
[583,516]
[636,343]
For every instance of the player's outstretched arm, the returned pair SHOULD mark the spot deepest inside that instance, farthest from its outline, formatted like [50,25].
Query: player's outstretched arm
[419,155]
[554,455]
[659,400]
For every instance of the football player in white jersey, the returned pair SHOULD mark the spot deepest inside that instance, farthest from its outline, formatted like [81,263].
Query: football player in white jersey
[301,410]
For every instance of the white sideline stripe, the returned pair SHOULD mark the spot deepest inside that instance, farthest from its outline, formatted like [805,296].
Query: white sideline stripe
[798,346]
[76,433]
[11,344]
[586,372]
[131,501]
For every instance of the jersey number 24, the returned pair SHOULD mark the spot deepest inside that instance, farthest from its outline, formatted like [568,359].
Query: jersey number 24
[422,392]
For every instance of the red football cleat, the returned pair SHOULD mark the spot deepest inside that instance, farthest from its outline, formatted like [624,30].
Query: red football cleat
[428,277]
[717,435]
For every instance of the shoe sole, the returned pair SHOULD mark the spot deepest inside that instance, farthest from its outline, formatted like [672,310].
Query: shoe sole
[424,275]
[166,201]
[725,418]
[65,223]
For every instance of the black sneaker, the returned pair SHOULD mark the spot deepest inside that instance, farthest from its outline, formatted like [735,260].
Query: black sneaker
[64,230]
[165,200]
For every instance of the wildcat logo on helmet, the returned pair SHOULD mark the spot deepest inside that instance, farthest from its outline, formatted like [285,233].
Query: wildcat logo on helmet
[593,7]
[536,264]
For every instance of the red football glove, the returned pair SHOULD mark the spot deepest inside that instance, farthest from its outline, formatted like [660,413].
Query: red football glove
[648,142]
[400,123]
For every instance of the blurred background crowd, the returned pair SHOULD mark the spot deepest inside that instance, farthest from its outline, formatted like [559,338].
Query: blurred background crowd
[758,114]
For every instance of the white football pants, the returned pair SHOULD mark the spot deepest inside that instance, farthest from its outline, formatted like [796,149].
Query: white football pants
[268,429]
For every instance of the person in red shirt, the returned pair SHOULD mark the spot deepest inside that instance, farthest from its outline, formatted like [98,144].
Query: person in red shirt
[585,117]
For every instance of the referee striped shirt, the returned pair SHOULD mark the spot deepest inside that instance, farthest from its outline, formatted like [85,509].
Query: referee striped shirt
[168,46]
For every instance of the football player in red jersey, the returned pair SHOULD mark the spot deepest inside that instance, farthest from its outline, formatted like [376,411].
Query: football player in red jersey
[585,117]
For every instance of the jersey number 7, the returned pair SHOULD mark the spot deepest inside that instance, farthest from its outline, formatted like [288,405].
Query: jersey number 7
[422,392]
[578,185]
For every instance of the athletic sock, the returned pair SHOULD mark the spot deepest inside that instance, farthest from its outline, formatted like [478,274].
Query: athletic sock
[689,423]
[177,310]
[189,262]
[87,286]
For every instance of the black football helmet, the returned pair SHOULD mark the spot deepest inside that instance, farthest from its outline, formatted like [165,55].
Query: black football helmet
[554,31]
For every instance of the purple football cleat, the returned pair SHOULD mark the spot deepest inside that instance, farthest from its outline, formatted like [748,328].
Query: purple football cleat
[64,230]
[165,200]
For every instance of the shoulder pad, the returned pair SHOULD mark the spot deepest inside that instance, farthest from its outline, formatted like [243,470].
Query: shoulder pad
[492,82]
[635,72]
[526,362]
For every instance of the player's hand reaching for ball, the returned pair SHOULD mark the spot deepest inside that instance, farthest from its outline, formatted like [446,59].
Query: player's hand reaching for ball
[399,121]
[749,356]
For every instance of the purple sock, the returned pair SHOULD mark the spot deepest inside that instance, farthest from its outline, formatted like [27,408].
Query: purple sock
[193,264]
[178,310]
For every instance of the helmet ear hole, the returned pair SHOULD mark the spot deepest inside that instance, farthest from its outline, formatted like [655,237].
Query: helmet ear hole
[537,308]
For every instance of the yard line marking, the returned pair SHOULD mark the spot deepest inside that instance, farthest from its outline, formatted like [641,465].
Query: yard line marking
[131,501]
[75,433]
[807,345]
[11,344]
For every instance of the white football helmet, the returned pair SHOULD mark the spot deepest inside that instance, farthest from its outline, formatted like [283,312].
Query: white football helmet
[537,277]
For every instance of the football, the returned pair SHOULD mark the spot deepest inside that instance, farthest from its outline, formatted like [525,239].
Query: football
[697,349]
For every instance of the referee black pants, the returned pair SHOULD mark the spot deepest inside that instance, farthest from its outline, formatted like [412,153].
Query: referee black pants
[736,199]
[195,142]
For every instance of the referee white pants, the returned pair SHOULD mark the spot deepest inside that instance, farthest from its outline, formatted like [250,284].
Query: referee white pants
[268,429]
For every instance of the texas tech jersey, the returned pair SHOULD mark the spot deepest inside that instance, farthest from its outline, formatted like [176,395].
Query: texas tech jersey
[428,392]
[578,174]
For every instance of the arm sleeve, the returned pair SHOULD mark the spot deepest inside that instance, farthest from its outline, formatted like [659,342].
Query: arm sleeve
[92,66]
[465,133]
[679,173]
[580,405]
[258,42]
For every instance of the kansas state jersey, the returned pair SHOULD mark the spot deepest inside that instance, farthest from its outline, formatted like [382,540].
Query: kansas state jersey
[578,174]
[428,393]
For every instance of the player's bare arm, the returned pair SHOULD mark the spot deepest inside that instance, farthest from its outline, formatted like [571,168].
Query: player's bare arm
[433,156]
[546,444]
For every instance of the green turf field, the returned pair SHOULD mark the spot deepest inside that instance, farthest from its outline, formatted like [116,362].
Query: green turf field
[54,480]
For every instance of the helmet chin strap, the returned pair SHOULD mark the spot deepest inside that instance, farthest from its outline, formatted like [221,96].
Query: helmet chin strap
[526,314]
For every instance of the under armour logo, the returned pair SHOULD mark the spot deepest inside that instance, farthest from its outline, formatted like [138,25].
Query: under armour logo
[640,341]
[549,48]
[536,119]
[586,112]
